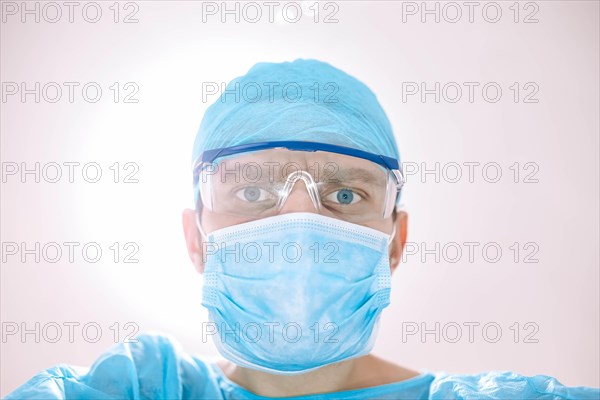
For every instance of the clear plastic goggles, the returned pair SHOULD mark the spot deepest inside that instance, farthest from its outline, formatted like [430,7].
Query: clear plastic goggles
[256,181]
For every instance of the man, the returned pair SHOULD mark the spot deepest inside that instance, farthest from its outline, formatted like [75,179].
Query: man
[297,229]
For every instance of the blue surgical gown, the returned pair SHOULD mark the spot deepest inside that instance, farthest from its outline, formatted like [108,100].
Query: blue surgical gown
[156,368]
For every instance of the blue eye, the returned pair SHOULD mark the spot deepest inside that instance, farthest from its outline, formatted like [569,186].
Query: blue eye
[345,196]
[251,194]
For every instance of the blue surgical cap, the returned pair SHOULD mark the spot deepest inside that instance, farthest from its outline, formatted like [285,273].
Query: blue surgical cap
[301,100]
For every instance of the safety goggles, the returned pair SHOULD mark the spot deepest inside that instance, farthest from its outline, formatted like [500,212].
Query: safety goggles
[254,181]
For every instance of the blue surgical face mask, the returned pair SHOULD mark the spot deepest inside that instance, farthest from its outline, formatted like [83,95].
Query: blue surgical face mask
[294,292]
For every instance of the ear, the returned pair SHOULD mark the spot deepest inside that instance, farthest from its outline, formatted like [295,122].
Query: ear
[193,239]
[399,240]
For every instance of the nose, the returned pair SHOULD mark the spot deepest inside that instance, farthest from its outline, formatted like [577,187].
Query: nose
[299,199]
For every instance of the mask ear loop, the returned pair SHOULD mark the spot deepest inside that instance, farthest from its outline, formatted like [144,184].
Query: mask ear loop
[198,178]
[399,176]
[391,238]
[199,225]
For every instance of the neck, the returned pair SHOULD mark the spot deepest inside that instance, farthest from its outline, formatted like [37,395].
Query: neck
[330,378]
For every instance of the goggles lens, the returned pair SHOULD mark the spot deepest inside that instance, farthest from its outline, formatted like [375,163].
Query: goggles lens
[258,184]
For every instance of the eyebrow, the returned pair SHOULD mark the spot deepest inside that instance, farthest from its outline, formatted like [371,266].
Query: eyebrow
[341,175]
[357,174]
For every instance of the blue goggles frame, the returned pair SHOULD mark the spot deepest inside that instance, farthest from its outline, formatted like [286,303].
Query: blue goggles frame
[385,161]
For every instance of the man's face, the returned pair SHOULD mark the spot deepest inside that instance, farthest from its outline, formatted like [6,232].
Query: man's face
[249,186]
